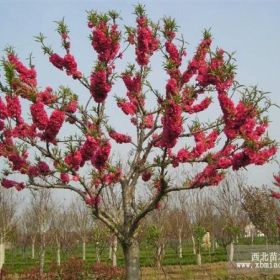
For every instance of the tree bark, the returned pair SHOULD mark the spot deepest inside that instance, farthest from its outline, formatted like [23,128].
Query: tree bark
[231,252]
[114,250]
[84,250]
[97,252]
[198,258]
[194,248]
[58,259]
[2,252]
[110,252]
[131,256]
[33,249]
[42,253]
[180,250]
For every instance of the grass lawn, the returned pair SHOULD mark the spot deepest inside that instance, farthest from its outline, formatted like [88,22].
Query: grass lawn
[18,261]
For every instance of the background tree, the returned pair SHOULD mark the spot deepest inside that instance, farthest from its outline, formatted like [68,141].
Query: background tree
[82,222]
[42,206]
[8,219]
[179,220]
[264,216]
[231,218]
[83,161]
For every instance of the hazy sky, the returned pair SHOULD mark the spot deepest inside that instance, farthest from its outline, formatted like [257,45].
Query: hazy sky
[250,28]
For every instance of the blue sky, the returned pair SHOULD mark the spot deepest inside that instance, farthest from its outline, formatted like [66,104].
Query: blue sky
[250,28]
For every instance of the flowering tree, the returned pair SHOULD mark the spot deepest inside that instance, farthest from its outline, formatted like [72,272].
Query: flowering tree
[59,142]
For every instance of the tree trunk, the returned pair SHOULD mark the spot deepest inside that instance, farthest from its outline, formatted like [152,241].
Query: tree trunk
[131,257]
[114,250]
[194,248]
[2,252]
[198,258]
[58,254]
[33,249]
[42,253]
[84,250]
[97,252]
[158,256]
[180,250]
[231,252]
[110,252]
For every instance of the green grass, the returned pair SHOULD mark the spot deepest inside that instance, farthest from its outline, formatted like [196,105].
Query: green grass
[17,261]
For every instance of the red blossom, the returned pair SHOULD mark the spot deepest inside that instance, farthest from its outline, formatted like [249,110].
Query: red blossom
[172,125]
[14,107]
[3,110]
[127,107]
[146,175]
[119,137]
[148,121]
[46,96]
[57,61]
[6,183]
[55,123]
[133,84]
[39,115]
[33,171]
[71,66]
[71,107]
[88,148]
[171,88]
[100,157]
[24,130]
[43,168]
[19,162]
[105,41]
[99,85]
[275,194]
[64,177]
[147,43]
[74,160]
[26,75]
[173,52]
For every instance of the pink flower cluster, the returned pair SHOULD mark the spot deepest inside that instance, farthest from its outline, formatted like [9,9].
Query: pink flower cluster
[99,85]
[68,63]
[172,124]
[39,115]
[105,40]
[198,64]
[6,183]
[26,75]
[146,43]
[173,53]
[127,107]
[46,96]
[119,137]
[54,124]
[14,107]
[101,155]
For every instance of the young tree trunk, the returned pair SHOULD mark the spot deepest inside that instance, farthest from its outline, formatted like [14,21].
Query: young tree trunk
[42,253]
[114,250]
[2,252]
[58,259]
[110,252]
[33,249]
[194,248]
[158,256]
[180,250]
[231,252]
[84,250]
[97,252]
[131,257]
[198,258]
